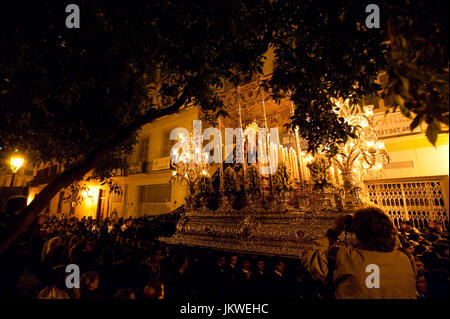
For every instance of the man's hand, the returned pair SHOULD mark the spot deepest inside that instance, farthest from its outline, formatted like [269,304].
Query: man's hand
[339,224]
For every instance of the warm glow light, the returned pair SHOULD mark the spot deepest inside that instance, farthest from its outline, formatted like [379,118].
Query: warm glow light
[309,158]
[16,163]
[204,172]
[30,199]
[380,145]
[370,144]
[369,112]
[84,194]
[174,173]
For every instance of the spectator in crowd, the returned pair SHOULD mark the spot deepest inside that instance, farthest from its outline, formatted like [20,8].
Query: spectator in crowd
[153,264]
[259,274]
[245,272]
[218,285]
[124,294]
[113,258]
[54,289]
[232,267]
[347,266]
[422,287]
[178,283]
[278,270]
[89,285]
[154,290]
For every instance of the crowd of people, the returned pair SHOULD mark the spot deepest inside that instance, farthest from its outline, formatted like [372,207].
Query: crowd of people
[121,259]
[430,248]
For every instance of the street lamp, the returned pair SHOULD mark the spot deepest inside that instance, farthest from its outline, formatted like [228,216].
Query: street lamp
[16,163]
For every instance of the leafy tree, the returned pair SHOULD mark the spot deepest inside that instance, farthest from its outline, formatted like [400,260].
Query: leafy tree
[79,96]
[418,62]
[324,50]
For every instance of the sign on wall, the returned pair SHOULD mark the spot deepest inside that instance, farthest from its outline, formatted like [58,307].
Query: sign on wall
[393,124]
[161,163]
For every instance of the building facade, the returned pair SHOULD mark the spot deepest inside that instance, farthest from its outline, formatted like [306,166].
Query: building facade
[415,184]
[144,187]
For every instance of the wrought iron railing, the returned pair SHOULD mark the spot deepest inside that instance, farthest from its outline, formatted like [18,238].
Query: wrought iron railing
[417,200]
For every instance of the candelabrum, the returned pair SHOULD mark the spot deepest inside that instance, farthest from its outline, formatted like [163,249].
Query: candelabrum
[361,157]
[187,171]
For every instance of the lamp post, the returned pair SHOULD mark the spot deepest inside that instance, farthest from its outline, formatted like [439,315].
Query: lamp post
[16,164]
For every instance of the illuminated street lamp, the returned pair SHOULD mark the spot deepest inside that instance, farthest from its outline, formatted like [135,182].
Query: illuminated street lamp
[16,163]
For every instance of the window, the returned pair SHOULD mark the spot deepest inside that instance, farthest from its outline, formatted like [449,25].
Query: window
[166,144]
[158,193]
[143,149]
[417,200]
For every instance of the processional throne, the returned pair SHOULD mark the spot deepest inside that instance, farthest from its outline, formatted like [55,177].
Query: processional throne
[276,221]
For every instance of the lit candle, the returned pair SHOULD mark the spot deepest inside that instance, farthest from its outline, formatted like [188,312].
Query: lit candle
[293,163]
[280,152]
[296,165]
[291,155]
[333,179]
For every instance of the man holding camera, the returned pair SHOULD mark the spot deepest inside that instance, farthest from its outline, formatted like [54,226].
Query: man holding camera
[373,267]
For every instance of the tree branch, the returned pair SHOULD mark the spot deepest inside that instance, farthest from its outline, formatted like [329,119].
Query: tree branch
[77,172]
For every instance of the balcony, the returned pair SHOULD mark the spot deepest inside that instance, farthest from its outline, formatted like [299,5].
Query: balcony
[137,168]
[44,176]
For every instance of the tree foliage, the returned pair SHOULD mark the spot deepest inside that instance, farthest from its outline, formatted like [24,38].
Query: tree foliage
[64,92]
[418,62]
[79,96]
[323,50]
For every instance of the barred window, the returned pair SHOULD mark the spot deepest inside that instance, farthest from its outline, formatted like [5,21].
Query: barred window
[420,201]
[158,193]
